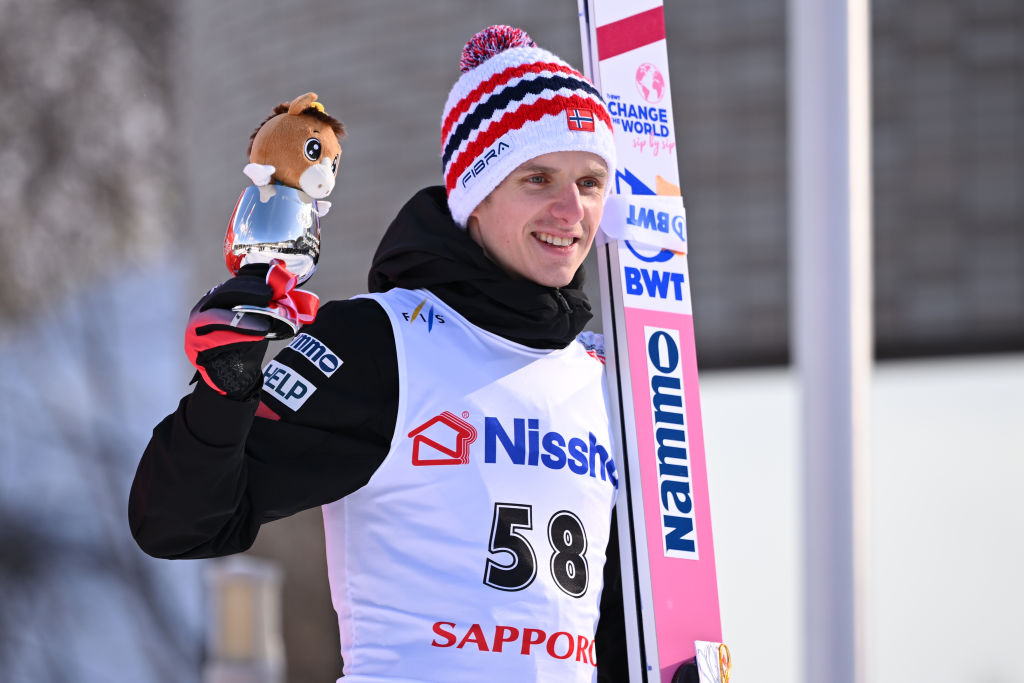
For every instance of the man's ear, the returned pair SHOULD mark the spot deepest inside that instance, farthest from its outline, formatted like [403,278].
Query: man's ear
[473,228]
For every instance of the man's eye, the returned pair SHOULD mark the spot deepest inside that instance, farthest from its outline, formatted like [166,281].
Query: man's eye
[535,179]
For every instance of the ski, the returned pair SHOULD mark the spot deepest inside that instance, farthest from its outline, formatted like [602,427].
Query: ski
[664,518]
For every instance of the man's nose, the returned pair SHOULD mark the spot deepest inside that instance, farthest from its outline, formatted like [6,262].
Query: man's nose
[568,205]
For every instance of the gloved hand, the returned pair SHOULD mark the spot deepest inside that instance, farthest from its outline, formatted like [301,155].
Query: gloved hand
[687,672]
[227,348]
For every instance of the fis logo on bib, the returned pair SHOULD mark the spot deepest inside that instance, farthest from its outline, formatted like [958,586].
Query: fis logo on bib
[429,316]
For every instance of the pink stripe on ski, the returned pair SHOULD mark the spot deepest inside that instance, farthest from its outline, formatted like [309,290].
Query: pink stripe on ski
[687,589]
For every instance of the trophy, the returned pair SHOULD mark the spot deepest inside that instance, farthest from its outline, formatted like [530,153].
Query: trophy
[293,161]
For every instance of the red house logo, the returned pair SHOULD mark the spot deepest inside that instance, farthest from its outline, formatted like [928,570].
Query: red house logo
[442,440]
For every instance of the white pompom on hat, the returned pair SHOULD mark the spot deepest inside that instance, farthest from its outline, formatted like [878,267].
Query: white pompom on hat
[514,101]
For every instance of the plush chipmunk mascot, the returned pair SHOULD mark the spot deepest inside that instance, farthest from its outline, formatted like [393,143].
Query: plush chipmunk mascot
[274,229]
[299,145]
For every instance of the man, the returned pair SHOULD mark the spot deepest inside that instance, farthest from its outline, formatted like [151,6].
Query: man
[453,424]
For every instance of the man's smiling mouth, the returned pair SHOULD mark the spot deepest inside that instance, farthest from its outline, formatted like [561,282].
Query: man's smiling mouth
[555,240]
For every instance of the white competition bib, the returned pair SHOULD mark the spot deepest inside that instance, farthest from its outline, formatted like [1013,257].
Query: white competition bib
[476,551]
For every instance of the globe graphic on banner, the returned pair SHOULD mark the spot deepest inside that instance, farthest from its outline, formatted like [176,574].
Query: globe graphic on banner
[650,83]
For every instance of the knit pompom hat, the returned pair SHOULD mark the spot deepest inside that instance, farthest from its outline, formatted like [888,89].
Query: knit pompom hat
[514,101]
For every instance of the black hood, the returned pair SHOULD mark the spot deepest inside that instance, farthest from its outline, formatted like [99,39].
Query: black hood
[424,248]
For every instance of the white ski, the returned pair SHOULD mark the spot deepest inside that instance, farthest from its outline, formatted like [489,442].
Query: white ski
[667,552]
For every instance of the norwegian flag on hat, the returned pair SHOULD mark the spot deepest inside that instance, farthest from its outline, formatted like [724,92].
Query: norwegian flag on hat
[580,119]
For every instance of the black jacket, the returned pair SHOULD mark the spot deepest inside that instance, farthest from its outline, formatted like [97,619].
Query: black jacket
[216,469]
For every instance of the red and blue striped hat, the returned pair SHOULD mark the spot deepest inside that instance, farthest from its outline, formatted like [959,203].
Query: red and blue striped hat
[514,101]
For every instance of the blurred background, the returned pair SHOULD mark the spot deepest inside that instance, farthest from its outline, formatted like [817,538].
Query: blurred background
[123,131]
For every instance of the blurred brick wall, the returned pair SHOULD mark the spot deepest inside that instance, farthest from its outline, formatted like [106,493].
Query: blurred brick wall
[728,70]
[86,147]
[949,175]
[948,117]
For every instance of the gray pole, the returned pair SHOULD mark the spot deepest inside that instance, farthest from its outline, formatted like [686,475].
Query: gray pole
[244,642]
[830,201]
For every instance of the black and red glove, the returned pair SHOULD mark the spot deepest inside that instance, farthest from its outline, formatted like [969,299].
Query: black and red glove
[687,672]
[226,347]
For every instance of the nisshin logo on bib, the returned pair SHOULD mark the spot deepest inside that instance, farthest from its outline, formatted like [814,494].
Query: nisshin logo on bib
[445,440]
[527,445]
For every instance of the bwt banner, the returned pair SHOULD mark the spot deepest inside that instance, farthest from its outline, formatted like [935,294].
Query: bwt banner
[651,220]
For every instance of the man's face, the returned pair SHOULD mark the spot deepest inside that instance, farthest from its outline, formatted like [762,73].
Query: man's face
[540,222]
